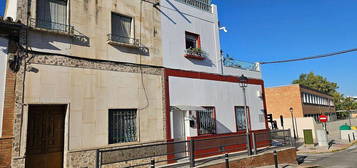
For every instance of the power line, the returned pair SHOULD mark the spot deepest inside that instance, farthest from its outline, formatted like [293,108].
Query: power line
[313,57]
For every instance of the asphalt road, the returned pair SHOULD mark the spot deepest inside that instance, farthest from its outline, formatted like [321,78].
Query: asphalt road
[343,159]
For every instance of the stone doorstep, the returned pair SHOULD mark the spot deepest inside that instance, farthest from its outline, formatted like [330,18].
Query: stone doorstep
[218,159]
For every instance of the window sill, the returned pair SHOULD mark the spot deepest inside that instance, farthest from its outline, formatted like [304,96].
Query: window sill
[190,56]
[115,43]
[52,31]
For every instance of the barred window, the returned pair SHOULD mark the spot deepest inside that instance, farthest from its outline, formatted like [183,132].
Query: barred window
[206,121]
[240,118]
[122,125]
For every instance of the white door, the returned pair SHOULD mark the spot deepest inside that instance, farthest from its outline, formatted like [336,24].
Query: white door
[3,64]
[179,133]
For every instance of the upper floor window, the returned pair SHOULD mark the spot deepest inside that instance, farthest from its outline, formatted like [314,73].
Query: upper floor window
[52,15]
[192,40]
[206,121]
[122,29]
[193,46]
[122,125]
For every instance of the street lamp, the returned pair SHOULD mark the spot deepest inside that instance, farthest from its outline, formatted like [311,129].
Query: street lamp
[292,120]
[243,82]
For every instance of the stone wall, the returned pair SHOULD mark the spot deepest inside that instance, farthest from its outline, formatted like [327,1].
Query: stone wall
[117,157]
[284,156]
[54,66]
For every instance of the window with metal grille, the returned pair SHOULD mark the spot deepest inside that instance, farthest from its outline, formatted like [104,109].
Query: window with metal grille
[206,121]
[122,125]
[240,118]
[52,14]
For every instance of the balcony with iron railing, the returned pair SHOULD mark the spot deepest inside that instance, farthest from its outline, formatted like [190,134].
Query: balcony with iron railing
[200,4]
[47,25]
[123,41]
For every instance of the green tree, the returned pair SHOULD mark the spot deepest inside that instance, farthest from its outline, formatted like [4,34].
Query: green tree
[317,82]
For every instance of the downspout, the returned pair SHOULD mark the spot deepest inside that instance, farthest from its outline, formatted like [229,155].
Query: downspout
[28,12]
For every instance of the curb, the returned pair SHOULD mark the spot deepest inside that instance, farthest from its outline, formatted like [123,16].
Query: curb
[332,151]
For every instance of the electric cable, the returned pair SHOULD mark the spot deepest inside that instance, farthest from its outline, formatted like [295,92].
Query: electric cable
[312,57]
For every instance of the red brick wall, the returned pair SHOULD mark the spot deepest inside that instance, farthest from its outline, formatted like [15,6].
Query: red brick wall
[5,152]
[284,157]
[9,104]
[8,120]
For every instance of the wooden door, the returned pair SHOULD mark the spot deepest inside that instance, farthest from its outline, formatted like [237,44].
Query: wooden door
[45,136]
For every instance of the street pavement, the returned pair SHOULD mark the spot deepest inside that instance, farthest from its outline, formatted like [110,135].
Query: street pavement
[342,159]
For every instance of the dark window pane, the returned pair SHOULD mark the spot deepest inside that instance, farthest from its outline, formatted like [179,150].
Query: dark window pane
[240,118]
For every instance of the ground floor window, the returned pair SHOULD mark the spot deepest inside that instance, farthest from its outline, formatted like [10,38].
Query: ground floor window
[122,125]
[240,118]
[206,120]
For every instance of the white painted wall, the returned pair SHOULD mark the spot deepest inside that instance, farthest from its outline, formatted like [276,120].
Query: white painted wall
[302,123]
[222,95]
[11,9]
[3,63]
[239,72]
[176,19]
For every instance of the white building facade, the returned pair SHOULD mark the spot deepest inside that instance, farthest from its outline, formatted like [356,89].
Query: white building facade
[3,65]
[204,94]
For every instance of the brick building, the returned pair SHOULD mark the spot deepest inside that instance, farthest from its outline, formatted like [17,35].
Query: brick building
[306,102]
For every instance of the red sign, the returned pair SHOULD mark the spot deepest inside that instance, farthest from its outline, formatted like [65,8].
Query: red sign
[323,118]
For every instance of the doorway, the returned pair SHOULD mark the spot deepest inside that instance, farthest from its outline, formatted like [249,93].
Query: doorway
[45,136]
[179,133]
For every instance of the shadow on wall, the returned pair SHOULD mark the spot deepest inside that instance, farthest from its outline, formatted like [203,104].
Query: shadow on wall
[144,51]
[168,17]
[44,40]
[173,6]
[205,62]
[222,128]
[80,39]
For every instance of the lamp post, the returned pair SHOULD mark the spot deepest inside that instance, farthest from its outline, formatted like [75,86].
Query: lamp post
[292,120]
[243,84]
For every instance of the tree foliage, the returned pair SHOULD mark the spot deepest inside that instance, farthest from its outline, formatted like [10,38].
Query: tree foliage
[317,82]
[322,84]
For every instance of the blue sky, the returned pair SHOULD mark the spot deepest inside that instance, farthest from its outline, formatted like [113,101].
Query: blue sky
[2,7]
[267,30]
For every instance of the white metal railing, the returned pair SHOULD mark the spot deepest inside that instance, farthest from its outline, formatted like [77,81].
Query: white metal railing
[200,4]
[233,63]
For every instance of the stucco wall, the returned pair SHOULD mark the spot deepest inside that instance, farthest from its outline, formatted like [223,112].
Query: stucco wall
[301,124]
[92,20]
[90,93]
[176,18]
[222,95]
[3,66]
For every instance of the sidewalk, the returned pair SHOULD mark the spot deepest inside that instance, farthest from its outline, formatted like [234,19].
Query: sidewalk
[288,166]
[318,149]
